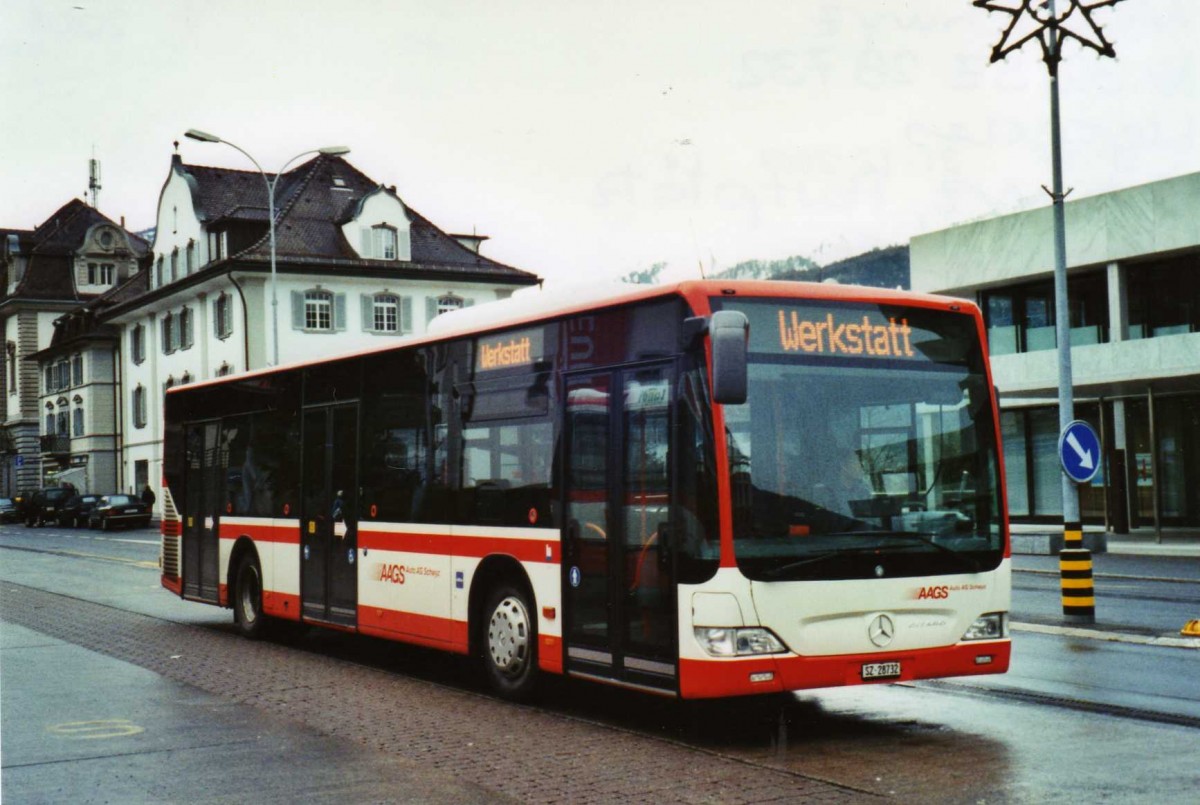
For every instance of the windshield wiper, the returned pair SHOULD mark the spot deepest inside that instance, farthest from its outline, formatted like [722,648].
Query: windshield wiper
[777,572]
[927,539]
[962,560]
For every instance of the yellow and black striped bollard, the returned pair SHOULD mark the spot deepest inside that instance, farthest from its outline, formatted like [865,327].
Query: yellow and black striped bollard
[1075,570]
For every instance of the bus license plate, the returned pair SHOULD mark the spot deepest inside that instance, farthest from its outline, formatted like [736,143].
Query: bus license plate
[880,670]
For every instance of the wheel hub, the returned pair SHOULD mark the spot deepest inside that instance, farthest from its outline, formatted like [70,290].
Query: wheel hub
[508,636]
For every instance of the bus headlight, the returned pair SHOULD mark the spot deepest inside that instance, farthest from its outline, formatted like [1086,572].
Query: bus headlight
[730,642]
[992,626]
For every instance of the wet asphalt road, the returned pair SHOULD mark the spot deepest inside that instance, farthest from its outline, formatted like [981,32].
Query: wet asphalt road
[1076,718]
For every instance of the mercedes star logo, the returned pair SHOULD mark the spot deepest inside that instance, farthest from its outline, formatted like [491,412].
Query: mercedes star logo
[881,630]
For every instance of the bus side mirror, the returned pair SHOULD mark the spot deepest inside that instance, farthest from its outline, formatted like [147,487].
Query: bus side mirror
[730,331]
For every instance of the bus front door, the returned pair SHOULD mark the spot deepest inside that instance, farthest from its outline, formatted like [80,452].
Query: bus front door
[619,590]
[329,516]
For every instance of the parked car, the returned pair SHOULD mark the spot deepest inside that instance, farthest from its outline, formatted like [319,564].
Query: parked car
[118,509]
[8,511]
[76,510]
[44,504]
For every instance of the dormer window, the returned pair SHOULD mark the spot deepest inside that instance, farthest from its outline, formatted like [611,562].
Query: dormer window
[338,181]
[101,273]
[218,246]
[383,242]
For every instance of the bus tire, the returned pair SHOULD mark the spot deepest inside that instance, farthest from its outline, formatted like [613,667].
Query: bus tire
[508,642]
[247,598]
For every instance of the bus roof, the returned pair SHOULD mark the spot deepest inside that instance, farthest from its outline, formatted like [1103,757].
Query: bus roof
[531,305]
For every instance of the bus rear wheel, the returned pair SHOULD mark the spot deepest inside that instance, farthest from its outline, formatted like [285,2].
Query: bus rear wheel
[508,644]
[247,598]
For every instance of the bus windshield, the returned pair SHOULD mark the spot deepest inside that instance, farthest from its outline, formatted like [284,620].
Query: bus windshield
[866,446]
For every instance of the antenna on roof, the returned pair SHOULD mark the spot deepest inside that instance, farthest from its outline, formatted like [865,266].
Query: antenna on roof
[94,178]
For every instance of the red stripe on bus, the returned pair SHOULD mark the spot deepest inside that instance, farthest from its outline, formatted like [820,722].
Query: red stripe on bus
[550,654]
[525,550]
[175,585]
[284,606]
[706,679]
[262,532]
[425,630]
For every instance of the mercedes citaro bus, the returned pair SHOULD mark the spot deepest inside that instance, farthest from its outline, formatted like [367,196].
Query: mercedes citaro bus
[701,490]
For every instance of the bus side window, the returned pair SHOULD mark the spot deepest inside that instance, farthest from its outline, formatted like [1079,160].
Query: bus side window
[396,462]
[506,473]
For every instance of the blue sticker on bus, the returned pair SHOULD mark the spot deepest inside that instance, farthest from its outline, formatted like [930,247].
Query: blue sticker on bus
[574,576]
[458,579]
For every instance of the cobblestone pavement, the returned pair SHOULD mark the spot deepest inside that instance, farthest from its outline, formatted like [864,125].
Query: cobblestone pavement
[524,752]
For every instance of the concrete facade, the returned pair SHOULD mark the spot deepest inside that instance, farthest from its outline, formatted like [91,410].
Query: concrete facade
[1133,266]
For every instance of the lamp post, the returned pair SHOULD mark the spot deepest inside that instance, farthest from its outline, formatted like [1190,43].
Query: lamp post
[330,150]
[1041,20]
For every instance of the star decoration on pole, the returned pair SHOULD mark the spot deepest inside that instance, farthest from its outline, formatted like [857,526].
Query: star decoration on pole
[1039,19]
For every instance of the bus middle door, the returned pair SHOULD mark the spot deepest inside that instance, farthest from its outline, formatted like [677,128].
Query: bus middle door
[619,590]
[329,519]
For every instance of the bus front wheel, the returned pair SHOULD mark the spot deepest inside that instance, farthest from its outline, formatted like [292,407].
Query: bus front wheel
[247,598]
[509,642]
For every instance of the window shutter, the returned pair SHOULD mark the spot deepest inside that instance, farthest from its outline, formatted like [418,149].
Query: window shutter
[339,311]
[188,336]
[297,310]
[468,302]
[216,317]
[366,243]
[368,312]
[403,245]
[406,324]
[430,308]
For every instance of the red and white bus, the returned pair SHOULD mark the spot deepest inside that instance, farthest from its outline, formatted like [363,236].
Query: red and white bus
[701,490]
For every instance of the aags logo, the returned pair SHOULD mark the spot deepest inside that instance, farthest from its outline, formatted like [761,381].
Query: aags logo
[392,573]
[934,592]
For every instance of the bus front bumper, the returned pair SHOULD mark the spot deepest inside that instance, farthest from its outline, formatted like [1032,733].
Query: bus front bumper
[703,679]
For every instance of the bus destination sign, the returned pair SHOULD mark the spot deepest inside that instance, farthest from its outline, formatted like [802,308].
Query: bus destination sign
[857,331]
[845,334]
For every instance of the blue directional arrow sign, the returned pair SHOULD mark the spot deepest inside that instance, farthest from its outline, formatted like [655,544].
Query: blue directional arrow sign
[1079,451]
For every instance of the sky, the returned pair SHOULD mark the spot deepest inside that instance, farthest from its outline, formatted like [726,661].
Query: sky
[589,140]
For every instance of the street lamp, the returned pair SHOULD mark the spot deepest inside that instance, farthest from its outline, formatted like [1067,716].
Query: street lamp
[330,150]
[1042,21]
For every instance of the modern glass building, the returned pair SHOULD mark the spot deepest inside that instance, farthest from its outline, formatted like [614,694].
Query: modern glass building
[1133,268]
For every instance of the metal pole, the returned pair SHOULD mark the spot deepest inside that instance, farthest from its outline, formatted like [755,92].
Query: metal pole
[274,287]
[1075,562]
[1062,310]
[1155,475]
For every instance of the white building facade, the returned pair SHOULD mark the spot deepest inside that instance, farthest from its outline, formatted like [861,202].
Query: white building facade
[354,265]
[59,421]
[1133,267]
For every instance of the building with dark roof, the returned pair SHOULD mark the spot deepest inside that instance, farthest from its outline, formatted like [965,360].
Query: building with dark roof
[354,265]
[73,258]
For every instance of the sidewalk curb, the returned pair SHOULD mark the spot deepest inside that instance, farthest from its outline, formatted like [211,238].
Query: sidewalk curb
[1110,637]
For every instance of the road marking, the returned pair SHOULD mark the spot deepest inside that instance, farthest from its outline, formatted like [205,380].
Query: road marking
[1111,637]
[96,730]
[1117,576]
[152,565]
